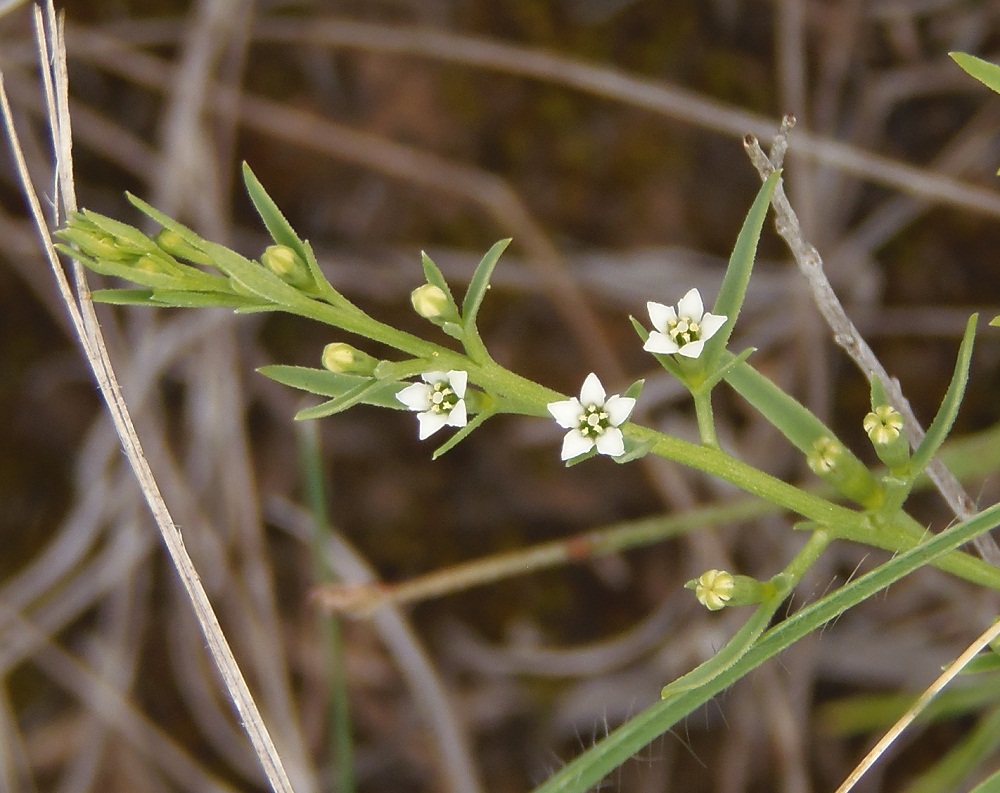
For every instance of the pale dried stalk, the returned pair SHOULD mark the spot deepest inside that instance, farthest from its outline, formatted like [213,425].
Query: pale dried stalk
[846,334]
[918,707]
[89,333]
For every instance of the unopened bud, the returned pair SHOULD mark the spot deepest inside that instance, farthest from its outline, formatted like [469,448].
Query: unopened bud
[175,245]
[95,243]
[430,302]
[716,589]
[157,263]
[829,459]
[287,265]
[343,358]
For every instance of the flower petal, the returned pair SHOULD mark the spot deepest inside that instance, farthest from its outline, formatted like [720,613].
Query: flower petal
[660,343]
[459,380]
[611,442]
[690,305]
[434,377]
[593,392]
[575,444]
[566,413]
[430,422]
[416,396]
[660,315]
[692,349]
[619,408]
[710,324]
[458,416]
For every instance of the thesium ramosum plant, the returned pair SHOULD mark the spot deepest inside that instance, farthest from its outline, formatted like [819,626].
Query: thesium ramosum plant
[449,379]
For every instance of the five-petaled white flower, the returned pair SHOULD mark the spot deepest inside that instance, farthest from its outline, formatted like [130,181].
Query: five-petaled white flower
[683,331]
[439,400]
[592,420]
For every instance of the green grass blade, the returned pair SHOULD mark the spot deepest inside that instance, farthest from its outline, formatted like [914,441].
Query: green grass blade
[277,225]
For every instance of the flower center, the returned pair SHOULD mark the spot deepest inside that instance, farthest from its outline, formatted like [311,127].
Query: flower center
[593,421]
[683,330]
[443,398]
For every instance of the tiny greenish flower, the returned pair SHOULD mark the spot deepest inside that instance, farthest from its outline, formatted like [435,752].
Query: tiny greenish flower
[683,331]
[343,358]
[429,301]
[883,425]
[287,265]
[439,401]
[592,420]
[713,588]
[823,457]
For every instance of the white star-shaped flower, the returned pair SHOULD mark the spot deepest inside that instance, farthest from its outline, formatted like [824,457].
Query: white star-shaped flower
[439,401]
[592,420]
[683,331]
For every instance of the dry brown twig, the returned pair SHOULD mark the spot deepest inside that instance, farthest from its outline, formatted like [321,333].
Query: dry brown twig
[846,335]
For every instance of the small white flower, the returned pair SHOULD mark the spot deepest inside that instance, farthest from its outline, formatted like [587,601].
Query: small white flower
[683,331]
[592,420]
[439,400]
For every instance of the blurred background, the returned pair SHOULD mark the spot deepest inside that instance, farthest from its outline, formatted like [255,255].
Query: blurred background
[605,137]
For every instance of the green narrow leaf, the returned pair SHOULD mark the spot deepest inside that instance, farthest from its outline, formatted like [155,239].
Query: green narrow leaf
[634,390]
[332,384]
[124,271]
[277,225]
[945,418]
[341,403]
[435,277]
[463,433]
[123,297]
[995,322]
[183,299]
[480,282]
[987,73]
[878,397]
[721,371]
[796,422]
[989,785]
[734,284]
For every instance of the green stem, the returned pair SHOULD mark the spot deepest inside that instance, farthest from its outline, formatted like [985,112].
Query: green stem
[706,421]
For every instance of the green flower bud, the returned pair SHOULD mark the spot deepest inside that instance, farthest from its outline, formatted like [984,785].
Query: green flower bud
[844,471]
[343,358]
[431,303]
[884,426]
[95,244]
[716,589]
[175,245]
[285,263]
[154,263]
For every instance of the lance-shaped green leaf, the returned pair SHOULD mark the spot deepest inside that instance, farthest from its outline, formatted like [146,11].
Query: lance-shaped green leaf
[463,432]
[184,299]
[323,382]
[987,73]
[123,297]
[435,277]
[734,284]
[480,282]
[801,427]
[945,418]
[277,225]
[339,404]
